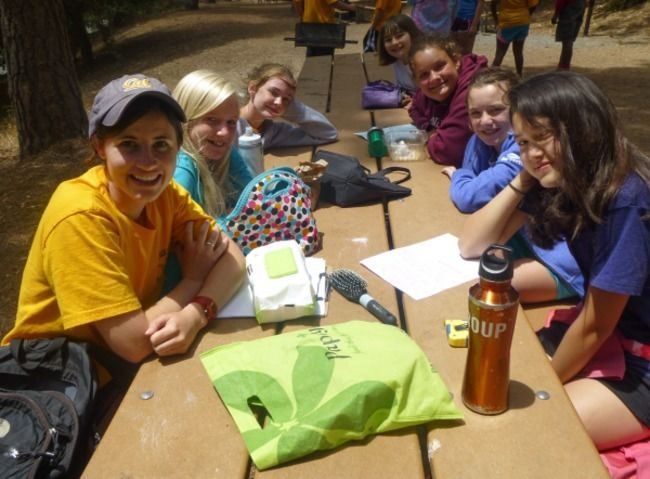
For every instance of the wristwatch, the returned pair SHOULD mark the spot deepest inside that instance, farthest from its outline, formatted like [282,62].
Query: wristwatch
[208,307]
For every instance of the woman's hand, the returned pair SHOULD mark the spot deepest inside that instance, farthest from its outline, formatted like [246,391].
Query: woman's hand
[174,333]
[198,255]
[406,101]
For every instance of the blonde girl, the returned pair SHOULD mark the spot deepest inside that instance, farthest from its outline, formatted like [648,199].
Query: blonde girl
[209,167]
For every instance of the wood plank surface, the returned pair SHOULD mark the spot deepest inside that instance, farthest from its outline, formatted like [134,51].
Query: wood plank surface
[184,430]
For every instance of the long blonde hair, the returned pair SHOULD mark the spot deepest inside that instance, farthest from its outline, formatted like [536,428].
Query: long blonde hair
[198,93]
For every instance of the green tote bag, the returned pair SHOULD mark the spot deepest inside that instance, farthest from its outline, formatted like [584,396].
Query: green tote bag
[323,386]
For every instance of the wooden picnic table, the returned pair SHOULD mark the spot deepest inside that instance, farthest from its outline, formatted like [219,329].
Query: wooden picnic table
[184,430]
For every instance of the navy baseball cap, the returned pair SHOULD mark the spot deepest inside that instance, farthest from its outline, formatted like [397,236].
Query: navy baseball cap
[111,101]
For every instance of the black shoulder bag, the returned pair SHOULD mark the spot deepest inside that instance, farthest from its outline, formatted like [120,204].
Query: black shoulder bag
[347,182]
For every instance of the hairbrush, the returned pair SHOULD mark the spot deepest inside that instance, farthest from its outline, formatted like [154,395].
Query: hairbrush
[353,287]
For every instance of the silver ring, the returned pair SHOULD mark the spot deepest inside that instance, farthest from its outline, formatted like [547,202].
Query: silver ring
[209,243]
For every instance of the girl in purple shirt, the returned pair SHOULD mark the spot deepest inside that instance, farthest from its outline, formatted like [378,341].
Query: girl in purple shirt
[584,182]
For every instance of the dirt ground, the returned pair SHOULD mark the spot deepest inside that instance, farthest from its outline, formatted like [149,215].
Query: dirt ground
[232,37]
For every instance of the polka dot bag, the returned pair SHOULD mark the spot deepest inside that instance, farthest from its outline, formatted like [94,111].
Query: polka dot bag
[274,206]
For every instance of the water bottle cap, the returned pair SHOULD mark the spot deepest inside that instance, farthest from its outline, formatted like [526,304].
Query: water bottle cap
[496,263]
[375,134]
[249,138]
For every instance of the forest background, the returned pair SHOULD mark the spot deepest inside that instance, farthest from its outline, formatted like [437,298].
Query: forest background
[169,38]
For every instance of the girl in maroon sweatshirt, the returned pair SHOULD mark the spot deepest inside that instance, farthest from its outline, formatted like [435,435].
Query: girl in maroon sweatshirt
[442,75]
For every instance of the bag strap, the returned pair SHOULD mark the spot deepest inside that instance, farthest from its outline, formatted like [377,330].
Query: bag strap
[394,169]
[246,192]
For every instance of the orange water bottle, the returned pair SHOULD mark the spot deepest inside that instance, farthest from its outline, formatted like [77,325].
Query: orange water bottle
[493,304]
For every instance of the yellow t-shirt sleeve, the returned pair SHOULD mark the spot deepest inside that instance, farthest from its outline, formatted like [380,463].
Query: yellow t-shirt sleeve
[84,261]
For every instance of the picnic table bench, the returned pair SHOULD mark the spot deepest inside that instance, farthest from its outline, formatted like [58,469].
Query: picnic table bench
[184,430]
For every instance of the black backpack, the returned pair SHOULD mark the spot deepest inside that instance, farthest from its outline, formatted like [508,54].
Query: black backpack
[47,388]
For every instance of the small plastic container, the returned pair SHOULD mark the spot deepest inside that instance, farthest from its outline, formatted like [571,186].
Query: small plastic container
[407,145]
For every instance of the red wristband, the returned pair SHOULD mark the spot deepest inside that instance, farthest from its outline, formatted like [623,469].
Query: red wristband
[208,307]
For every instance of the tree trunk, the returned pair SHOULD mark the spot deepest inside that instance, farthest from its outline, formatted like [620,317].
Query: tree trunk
[43,84]
[79,40]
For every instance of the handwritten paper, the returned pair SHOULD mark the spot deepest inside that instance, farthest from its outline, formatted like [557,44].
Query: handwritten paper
[424,269]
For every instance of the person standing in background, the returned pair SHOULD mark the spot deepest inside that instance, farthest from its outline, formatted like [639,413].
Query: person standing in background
[512,18]
[320,11]
[465,26]
[434,16]
[568,18]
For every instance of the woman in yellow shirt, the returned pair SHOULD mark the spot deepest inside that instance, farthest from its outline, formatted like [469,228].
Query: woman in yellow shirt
[95,268]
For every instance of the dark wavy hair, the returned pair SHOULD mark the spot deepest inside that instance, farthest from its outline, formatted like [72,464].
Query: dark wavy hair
[596,157]
[396,24]
[446,44]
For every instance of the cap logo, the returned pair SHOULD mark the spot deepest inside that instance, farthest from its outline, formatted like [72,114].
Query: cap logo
[136,83]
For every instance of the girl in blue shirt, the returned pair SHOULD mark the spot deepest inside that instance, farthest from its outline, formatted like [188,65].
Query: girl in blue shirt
[491,161]
[208,166]
[584,182]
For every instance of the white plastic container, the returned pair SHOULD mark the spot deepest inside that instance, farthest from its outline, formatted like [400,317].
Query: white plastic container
[251,149]
[407,145]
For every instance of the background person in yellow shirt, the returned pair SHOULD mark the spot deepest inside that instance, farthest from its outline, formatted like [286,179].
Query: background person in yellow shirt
[95,268]
[512,18]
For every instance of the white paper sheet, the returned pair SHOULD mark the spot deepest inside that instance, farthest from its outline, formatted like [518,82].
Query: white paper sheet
[424,269]
[241,304]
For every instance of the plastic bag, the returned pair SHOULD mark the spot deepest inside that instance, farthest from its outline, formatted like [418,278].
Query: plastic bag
[324,386]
